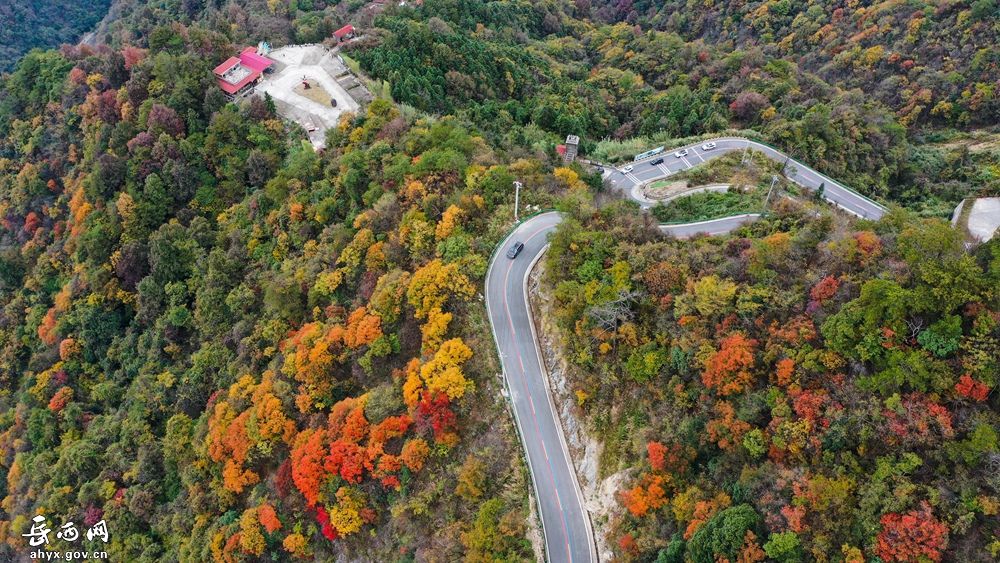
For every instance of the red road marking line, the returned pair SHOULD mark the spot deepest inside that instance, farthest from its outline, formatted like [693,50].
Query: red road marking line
[531,400]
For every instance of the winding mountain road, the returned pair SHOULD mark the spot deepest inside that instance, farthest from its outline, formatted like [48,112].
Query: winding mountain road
[565,522]
[644,171]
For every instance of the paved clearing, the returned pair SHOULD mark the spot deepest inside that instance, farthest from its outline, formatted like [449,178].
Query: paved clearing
[319,66]
[984,219]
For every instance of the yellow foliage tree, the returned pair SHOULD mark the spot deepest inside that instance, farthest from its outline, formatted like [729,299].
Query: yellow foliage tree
[345,516]
[712,295]
[433,284]
[413,383]
[417,233]
[251,540]
[296,545]
[390,292]
[471,478]
[449,219]
[569,178]
[444,373]
[435,328]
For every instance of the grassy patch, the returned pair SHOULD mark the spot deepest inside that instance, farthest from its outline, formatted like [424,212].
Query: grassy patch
[708,205]
[314,92]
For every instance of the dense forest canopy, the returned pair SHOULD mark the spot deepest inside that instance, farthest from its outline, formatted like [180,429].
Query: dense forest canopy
[26,25]
[229,346]
[805,390]
[232,347]
[854,90]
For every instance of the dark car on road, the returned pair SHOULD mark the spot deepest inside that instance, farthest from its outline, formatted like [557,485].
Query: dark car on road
[657,161]
[515,250]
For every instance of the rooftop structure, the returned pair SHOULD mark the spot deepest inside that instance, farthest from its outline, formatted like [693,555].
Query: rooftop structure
[572,143]
[345,32]
[238,73]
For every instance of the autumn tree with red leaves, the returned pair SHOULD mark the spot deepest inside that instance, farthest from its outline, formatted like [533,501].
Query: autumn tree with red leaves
[914,537]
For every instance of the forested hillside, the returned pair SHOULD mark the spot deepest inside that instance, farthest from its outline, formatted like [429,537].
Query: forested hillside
[853,90]
[25,25]
[230,347]
[804,390]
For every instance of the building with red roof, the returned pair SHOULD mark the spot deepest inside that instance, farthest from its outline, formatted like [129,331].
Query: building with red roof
[239,74]
[343,33]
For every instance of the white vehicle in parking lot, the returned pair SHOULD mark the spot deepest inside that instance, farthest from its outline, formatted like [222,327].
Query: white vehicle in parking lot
[681,153]
[627,169]
[708,146]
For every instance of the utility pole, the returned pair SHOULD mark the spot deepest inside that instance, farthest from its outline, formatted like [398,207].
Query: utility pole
[774,178]
[744,159]
[517,197]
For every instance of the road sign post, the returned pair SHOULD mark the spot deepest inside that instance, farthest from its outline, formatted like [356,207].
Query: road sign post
[517,197]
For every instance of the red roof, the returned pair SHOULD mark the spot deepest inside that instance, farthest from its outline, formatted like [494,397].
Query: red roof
[561,149]
[252,63]
[230,88]
[346,30]
[230,63]
[250,58]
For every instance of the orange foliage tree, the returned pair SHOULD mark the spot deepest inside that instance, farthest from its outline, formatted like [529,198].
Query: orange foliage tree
[310,355]
[727,431]
[362,328]
[649,494]
[415,453]
[914,537]
[268,518]
[307,463]
[249,419]
[729,370]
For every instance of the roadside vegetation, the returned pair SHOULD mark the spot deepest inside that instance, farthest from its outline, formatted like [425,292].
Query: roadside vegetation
[804,389]
[749,178]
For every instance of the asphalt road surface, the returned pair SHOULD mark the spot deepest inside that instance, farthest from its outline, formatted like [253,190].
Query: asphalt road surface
[710,227]
[565,522]
[644,171]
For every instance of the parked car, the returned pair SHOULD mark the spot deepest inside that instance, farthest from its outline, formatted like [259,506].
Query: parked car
[657,161]
[627,169]
[708,146]
[681,153]
[515,250]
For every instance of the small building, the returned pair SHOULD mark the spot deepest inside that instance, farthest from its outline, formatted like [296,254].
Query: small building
[238,74]
[344,33]
[572,143]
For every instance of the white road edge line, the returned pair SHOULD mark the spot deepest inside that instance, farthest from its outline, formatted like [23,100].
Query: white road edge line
[555,412]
